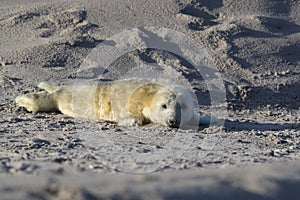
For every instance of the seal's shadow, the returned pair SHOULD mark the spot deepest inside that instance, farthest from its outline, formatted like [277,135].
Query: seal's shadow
[248,126]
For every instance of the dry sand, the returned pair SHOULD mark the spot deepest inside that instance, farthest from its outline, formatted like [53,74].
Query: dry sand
[253,45]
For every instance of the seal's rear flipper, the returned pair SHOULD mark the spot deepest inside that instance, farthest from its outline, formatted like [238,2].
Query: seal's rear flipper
[36,102]
[48,87]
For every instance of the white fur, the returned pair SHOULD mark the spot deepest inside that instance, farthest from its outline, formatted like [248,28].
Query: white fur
[128,102]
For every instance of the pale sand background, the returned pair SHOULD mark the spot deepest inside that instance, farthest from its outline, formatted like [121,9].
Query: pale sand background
[256,47]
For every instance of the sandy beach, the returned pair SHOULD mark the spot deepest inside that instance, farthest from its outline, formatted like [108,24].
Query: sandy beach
[240,59]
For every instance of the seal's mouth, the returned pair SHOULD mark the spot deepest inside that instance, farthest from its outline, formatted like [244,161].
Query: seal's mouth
[175,122]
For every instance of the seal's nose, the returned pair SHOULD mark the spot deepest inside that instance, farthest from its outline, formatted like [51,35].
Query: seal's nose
[174,123]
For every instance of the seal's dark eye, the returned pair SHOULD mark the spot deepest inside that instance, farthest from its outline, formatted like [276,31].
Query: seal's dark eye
[164,106]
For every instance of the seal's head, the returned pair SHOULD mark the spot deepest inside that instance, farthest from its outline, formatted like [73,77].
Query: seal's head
[165,109]
[161,105]
[172,108]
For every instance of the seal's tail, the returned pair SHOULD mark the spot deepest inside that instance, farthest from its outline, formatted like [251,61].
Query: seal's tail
[48,87]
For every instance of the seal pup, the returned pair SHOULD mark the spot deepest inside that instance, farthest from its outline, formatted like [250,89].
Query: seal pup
[128,102]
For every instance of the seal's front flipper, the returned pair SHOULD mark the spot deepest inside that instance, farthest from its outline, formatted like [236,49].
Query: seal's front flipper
[130,121]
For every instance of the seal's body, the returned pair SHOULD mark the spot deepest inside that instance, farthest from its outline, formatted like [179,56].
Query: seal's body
[128,102]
